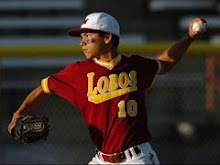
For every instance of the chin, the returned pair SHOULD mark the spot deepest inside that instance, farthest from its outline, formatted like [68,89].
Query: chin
[89,57]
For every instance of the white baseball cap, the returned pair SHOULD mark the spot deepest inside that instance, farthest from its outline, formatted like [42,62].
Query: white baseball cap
[95,22]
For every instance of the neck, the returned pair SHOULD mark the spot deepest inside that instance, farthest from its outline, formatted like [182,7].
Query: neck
[108,56]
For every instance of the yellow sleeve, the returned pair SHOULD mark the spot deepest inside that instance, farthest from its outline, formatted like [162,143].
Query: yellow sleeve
[159,66]
[44,85]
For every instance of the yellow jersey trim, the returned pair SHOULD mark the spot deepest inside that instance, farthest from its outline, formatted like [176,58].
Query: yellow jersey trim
[109,65]
[159,66]
[44,85]
[158,70]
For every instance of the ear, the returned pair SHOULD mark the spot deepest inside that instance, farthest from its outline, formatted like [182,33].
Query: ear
[107,38]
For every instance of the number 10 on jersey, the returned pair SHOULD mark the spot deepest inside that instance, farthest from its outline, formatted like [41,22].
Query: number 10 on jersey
[127,109]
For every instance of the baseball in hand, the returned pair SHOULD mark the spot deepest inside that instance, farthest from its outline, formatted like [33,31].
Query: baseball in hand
[199,27]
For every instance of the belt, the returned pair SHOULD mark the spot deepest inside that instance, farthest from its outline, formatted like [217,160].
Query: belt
[117,157]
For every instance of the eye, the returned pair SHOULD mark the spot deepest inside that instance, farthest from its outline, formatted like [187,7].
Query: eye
[88,35]
[84,35]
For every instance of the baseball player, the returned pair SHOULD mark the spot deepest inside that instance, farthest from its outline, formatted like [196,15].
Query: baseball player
[108,89]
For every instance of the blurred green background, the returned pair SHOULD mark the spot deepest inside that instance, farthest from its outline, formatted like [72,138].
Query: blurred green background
[183,105]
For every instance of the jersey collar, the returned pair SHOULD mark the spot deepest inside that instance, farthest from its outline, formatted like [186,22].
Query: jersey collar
[109,65]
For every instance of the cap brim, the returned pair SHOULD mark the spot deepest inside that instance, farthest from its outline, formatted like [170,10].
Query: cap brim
[78,31]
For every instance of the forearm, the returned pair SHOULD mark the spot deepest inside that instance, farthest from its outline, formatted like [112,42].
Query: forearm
[36,97]
[176,51]
[172,55]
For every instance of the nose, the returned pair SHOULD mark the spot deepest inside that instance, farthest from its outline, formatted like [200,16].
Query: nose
[82,43]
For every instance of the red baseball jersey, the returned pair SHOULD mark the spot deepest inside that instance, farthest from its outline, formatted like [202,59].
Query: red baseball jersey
[110,97]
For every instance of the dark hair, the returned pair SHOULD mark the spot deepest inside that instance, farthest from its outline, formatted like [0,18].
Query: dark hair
[115,40]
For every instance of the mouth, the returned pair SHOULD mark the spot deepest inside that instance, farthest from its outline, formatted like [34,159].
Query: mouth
[84,50]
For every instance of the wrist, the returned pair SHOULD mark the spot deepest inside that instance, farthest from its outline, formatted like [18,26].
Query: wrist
[188,36]
[17,115]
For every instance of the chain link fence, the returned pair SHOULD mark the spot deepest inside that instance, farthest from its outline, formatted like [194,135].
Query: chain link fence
[183,131]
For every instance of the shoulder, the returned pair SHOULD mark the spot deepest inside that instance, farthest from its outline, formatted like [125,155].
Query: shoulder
[79,64]
[143,62]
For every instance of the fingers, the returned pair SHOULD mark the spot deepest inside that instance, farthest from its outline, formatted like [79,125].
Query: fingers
[203,20]
[13,121]
[11,126]
[196,27]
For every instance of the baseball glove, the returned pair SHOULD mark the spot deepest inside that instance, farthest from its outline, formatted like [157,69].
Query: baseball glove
[29,129]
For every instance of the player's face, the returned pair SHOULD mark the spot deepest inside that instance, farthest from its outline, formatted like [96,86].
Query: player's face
[92,45]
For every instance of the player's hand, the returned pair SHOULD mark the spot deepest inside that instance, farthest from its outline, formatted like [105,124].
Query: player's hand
[13,122]
[196,27]
[11,125]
